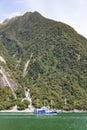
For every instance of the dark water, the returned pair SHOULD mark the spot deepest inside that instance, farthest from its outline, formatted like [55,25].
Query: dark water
[25,121]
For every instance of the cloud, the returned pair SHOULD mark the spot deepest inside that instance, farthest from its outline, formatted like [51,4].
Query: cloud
[9,16]
[19,1]
[13,14]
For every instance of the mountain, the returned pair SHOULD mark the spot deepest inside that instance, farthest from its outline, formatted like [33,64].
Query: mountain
[47,57]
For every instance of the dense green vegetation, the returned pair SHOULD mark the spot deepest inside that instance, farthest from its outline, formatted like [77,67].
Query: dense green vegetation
[56,58]
[7,100]
[23,105]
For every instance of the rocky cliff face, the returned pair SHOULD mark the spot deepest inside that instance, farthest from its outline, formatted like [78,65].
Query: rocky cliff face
[5,78]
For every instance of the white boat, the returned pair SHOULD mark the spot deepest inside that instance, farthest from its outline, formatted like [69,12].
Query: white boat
[45,112]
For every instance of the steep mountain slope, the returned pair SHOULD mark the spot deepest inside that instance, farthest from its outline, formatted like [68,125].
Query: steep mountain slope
[48,57]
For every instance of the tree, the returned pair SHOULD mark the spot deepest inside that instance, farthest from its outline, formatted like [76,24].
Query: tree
[26,103]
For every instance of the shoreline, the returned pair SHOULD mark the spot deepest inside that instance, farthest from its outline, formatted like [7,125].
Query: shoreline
[32,111]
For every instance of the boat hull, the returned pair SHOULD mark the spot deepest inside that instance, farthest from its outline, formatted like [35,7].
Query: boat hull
[44,112]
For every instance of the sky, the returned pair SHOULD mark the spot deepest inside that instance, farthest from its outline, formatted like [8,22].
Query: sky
[71,12]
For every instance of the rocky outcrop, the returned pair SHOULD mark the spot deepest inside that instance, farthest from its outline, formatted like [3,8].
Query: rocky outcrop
[2,59]
[25,71]
[5,80]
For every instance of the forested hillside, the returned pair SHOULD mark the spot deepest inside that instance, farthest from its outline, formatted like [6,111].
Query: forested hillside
[48,57]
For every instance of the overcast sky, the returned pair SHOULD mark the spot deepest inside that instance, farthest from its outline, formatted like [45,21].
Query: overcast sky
[72,12]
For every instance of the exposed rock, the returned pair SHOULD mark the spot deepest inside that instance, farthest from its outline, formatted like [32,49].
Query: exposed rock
[25,71]
[5,80]
[2,59]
